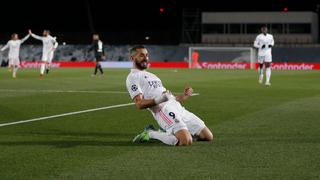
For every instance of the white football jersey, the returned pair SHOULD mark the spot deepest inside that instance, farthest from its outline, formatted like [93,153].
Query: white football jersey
[100,46]
[49,43]
[266,40]
[145,83]
[14,47]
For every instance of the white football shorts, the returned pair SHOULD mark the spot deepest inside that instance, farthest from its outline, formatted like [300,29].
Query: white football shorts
[172,117]
[47,57]
[14,61]
[263,59]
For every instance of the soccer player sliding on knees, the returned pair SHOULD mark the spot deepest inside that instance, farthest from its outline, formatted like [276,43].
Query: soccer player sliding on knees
[178,125]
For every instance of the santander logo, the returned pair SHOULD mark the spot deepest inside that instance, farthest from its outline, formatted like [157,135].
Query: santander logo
[224,65]
[292,66]
[25,64]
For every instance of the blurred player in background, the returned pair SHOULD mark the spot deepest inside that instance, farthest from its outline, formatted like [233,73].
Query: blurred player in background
[14,51]
[97,47]
[264,43]
[50,44]
[179,125]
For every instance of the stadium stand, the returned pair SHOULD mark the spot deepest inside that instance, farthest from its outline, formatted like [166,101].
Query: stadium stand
[158,53]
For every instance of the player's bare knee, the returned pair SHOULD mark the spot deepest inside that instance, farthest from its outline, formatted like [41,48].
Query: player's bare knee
[185,141]
[206,134]
[184,137]
[209,136]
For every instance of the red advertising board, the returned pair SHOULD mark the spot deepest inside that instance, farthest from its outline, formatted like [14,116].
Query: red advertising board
[275,65]
[224,65]
[295,66]
[168,65]
[30,64]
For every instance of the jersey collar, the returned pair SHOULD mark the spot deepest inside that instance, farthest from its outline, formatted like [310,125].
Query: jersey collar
[136,70]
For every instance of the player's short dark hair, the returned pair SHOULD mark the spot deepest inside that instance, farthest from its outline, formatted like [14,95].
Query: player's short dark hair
[133,50]
[96,34]
[264,26]
[13,34]
[47,30]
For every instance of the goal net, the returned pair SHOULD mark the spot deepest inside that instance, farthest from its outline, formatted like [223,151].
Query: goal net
[222,57]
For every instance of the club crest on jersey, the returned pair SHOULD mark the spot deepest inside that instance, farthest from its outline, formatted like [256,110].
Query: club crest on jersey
[155,84]
[134,87]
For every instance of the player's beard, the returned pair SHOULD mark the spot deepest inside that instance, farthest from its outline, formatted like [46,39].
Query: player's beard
[142,64]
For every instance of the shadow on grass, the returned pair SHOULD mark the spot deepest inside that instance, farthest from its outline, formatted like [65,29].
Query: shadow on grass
[77,143]
[78,139]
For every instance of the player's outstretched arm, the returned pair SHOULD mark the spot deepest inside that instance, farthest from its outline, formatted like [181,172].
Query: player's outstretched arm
[142,103]
[35,36]
[91,48]
[55,44]
[25,38]
[186,94]
[5,47]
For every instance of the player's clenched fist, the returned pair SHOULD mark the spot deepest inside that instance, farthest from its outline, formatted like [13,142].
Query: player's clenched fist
[188,91]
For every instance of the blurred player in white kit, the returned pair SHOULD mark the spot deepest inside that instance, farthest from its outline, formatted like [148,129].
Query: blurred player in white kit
[50,44]
[178,124]
[264,43]
[14,52]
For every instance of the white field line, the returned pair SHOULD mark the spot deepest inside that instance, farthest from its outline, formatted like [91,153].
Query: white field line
[65,114]
[71,113]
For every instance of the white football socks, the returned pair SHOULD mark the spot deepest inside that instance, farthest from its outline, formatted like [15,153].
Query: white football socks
[42,68]
[260,75]
[268,74]
[14,72]
[48,66]
[168,139]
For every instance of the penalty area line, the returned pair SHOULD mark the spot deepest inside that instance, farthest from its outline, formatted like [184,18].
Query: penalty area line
[71,113]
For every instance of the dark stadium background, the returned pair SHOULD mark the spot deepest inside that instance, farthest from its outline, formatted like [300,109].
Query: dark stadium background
[71,124]
[122,22]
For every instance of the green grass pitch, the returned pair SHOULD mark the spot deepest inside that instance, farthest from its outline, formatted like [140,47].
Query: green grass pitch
[260,132]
